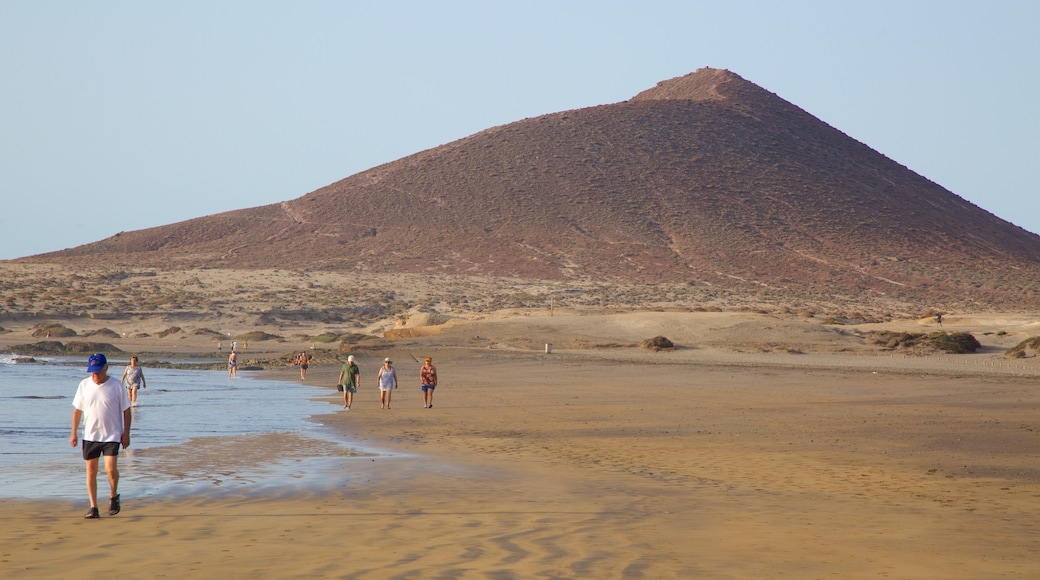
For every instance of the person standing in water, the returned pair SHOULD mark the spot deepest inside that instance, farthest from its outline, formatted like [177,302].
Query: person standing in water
[428,382]
[232,365]
[387,380]
[103,405]
[133,378]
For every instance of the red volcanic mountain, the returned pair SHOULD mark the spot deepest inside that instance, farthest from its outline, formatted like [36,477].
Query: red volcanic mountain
[705,178]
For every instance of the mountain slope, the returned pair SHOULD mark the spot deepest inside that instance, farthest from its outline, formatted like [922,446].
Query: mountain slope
[706,178]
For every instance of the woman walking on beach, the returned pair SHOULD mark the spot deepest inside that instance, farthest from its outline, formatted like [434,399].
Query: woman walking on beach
[428,382]
[387,380]
[305,360]
[133,378]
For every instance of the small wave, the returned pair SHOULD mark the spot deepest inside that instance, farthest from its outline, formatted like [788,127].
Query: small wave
[19,359]
[49,397]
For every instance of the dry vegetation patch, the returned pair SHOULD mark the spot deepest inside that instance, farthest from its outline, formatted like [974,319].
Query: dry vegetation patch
[257,335]
[1019,350]
[657,343]
[52,329]
[953,343]
[852,319]
[169,331]
[102,332]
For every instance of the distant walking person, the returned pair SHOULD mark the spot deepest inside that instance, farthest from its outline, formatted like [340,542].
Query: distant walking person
[428,382]
[133,378]
[305,361]
[938,320]
[350,378]
[104,406]
[387,380]
[232,365]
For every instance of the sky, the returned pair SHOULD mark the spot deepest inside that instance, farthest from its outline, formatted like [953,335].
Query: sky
[124,115]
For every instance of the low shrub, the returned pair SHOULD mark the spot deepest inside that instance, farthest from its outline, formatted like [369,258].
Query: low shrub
[257,335]
[169,331]
[104,332]
[1019,350]
[953,343]
[53,330]
[657,343]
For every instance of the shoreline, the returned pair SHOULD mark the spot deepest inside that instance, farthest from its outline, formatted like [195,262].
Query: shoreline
[615,462]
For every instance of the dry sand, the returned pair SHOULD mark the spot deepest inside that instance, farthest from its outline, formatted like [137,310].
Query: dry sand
[765,446]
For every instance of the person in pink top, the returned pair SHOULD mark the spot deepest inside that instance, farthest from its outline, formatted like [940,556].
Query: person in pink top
[103,405]
[428,382]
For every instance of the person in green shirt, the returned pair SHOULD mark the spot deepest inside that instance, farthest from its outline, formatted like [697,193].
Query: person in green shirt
[349,377]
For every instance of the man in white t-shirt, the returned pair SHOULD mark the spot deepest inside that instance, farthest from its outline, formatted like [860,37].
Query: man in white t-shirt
[103,405]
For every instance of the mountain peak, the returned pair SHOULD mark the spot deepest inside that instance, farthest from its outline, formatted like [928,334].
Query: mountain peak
[706,84]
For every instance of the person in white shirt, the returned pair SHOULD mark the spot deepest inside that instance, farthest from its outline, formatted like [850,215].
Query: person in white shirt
[103,405]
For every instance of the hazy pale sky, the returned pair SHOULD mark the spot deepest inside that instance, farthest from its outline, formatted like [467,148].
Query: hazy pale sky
[119,115]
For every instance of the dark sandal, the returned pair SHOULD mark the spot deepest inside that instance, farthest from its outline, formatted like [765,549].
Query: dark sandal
[91,514]
[113,505]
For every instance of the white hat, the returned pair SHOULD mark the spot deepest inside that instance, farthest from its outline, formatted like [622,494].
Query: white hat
[386,360]
[350,358]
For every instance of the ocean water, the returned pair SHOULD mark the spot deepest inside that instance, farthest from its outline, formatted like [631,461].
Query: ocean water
[192,431]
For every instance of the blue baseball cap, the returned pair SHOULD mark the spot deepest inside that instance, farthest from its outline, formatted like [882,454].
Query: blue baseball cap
[96,363]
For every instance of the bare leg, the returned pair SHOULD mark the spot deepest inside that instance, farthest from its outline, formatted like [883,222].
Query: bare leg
[92,469]
[113,475]
[388,395]
[429,398]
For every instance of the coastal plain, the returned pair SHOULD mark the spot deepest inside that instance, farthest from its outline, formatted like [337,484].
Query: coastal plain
[765,444]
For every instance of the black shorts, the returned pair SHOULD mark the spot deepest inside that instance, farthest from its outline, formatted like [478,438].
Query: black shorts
[95,449]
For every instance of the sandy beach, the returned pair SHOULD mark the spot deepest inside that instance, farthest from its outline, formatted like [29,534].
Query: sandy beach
[763,446]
